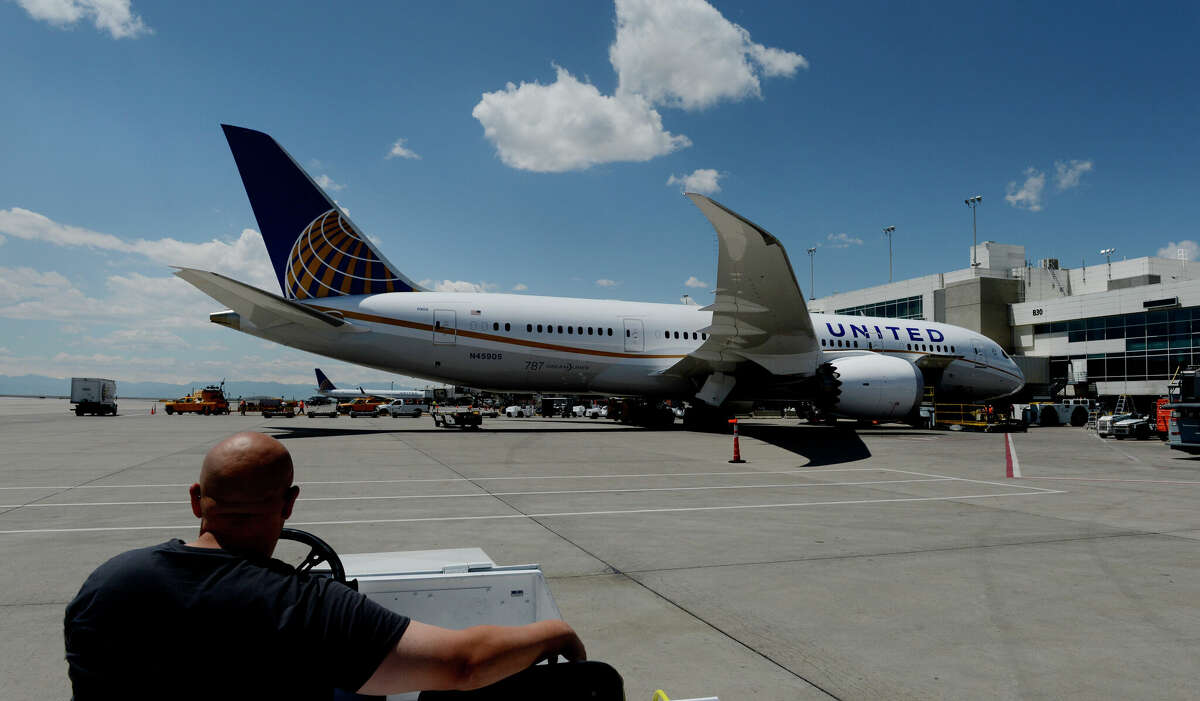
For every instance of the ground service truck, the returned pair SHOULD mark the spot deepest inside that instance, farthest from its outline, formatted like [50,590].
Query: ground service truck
[94,395]
[210,400]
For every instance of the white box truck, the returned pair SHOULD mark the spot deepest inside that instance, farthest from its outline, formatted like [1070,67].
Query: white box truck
[94,395]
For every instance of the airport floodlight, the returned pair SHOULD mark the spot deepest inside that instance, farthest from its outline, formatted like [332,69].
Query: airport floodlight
[888,231]
[812,273]
[1108,254]
[973,202]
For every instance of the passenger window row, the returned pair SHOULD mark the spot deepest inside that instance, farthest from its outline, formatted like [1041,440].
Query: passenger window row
[571,330]
[695,335]
[936,348]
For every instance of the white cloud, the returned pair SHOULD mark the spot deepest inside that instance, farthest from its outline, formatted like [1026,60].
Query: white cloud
[605,282]
[842,240]
[702,180]
[1067,174]
[677,53]
[569,125]
[399,150]
[149,353]
[1190,250]
[458,286]
[139,338]
[520,287]
[327,183]
[134,300]
[694,281]
[244,258]
[1029,194]
[684,53]
[113,16]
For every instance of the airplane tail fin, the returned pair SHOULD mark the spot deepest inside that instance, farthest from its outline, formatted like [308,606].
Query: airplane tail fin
[323,382]
[315,249]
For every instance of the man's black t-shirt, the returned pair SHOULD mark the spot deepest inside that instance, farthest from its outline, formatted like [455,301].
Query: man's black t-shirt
[176,622]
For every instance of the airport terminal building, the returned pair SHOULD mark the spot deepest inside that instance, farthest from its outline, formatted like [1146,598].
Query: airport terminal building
[1101,330]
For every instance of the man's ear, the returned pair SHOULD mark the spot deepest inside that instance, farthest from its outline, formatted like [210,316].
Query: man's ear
[289,500]
[194,493]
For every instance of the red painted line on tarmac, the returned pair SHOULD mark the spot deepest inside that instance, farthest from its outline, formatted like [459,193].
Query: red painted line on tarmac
[1007,457]
[1012,466]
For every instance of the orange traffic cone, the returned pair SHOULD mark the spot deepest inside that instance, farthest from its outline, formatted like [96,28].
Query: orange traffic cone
[737,453]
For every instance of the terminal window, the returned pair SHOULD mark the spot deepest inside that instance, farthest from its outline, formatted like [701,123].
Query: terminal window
[904,308]
[1157,344]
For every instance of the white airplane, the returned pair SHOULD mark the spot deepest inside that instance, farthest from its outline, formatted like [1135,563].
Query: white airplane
[756,341]
[326,388]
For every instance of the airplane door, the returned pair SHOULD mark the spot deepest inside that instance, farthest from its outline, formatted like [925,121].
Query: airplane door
[633,335]
[444,331]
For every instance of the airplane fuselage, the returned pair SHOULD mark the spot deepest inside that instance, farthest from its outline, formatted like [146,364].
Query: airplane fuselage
[523,343]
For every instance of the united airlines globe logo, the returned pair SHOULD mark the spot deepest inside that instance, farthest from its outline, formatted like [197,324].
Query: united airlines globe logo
[331,259]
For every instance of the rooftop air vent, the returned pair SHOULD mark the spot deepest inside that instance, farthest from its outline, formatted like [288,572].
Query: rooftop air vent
[1164,303]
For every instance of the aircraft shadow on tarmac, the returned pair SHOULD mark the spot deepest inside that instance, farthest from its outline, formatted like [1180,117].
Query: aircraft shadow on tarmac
[822,445]
[285,432]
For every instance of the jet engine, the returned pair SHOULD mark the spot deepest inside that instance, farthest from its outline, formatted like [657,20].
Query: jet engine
[870,387]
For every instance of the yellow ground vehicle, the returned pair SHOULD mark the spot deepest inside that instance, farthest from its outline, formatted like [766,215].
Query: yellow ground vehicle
[210,400]
[362,406]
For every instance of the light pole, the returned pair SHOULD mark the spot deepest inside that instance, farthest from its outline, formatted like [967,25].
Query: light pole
[973,202]
[1107,253]
[812,274]
[888,231]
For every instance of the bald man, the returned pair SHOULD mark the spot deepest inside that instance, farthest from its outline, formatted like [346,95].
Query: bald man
[219,618]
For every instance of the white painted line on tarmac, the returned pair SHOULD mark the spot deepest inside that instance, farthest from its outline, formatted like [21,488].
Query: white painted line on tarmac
[1114,448]
[784,485]
[743,473]
[1106,479]
[966,479]
[618,512]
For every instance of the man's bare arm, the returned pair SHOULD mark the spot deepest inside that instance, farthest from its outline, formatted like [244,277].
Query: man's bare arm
[430,658]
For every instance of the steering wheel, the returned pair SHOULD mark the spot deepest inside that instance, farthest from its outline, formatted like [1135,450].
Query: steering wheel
[319,552]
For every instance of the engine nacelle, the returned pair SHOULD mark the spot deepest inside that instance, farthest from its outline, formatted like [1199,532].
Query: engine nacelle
[875,387]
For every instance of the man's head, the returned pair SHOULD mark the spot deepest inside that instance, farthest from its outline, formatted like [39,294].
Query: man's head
[245,493]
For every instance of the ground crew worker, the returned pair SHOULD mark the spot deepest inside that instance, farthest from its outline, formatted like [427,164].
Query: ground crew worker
[218,616]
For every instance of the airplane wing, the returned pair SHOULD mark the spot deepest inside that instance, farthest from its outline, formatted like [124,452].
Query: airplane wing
[262,309]
[759,313]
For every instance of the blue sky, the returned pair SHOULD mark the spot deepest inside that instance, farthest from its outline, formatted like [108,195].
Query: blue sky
[544,146]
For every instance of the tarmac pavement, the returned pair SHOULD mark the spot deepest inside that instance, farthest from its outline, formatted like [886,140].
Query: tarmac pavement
[878,563]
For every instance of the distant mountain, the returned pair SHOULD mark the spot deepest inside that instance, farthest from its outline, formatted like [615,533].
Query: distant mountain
[40,385]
